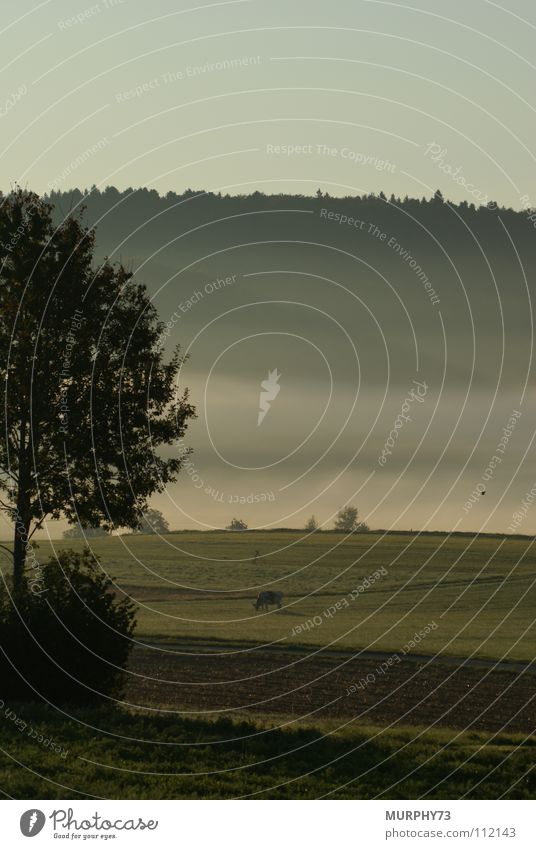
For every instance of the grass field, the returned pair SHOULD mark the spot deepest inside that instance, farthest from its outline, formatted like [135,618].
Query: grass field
[200,586]
[196,758]
[232,703]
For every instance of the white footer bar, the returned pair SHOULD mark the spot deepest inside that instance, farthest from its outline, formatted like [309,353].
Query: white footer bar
[268,824]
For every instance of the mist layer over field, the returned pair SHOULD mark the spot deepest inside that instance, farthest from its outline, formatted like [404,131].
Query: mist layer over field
[355,303]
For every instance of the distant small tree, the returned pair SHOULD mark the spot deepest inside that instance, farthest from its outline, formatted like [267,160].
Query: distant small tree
[78,532]
[237,525]
[347,520]
[153,522]
[311,524]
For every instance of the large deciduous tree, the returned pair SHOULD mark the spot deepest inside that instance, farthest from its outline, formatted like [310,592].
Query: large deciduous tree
[88,396]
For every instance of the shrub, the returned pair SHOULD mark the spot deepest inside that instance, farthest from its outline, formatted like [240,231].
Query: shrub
[237,525]
[69,641]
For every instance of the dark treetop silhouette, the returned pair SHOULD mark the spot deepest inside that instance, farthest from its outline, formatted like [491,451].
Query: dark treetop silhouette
[88,397]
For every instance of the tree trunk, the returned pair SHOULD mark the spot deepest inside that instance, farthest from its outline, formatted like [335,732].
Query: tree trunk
[19,552]
[22,514]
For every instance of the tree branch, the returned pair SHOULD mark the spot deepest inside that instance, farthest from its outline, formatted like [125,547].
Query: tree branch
[9,474]
[38,525]
[9,508]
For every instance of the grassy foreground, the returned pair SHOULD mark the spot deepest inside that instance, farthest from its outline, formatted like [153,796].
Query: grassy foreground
[232,758]
[195,586]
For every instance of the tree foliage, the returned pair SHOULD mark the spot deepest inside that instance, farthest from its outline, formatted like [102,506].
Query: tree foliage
[347,520]
[88,396]
[153,522]
[70,641]
[237,525]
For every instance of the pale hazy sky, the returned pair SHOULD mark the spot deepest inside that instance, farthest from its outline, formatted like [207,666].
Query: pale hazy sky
[377,81]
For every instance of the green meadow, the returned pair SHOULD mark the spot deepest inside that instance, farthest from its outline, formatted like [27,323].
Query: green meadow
[480,593]
[156,757]
[197,589]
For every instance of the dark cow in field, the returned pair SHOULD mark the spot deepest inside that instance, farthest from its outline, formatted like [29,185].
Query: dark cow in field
[266,598]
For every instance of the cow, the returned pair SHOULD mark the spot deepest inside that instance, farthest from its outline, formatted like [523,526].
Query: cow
[267,597]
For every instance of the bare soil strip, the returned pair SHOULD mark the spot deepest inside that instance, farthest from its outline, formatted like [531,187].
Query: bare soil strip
[413,690]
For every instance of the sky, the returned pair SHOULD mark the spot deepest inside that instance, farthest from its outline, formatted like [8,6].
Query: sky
[212,95]
[349,97]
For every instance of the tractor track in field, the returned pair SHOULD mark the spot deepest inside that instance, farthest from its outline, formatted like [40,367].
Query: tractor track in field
[228,649]
[411,690]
